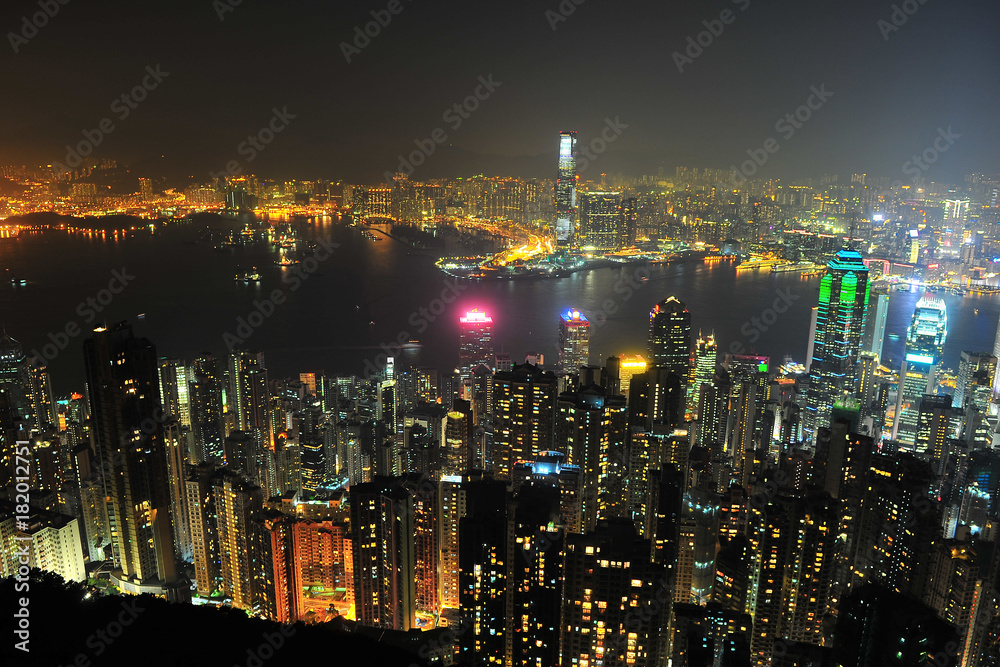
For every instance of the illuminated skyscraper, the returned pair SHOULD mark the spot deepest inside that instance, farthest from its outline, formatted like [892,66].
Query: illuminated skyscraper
[706,356]
[610,613]
[669,361]
[237,503]
[972,395]
[794,538]
[124,390]
[456,442]
[897,524]
[875,320]
[524,416]
[174,390]
[271,544]
[14,374]
[475,341]
[918,376]
[602,222]
[535,588]
[592,426]
[382,516]
[49,541]
[566,189]
[574,341]
[248,396]
[933,428]
[175,445]
[207,418]
[451,508]
[630,364]
[670,337]
[483,573]
[836,343]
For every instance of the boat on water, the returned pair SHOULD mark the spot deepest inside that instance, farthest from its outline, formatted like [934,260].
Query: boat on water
[247,277]
[795,268]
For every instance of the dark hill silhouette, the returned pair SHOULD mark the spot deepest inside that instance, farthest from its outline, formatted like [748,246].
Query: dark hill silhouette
[156,633]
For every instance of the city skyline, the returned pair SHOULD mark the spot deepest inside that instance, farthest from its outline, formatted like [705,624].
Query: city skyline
[465,335]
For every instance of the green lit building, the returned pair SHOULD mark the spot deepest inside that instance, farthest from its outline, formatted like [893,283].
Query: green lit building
[836,339]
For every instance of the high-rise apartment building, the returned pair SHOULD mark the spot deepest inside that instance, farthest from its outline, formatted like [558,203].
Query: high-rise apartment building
[524,416]
[612,610]
[382,518]
[602,221]
[124,390]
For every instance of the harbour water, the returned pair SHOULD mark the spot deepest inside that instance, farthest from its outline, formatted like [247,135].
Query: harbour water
[344,313]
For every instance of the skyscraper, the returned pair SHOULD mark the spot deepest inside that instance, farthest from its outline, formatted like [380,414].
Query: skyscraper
[794,536]
[836,344]
[524,416]
[574,341]
[535,552]
[629,365]
[670,337]
[875,320]
[566,189]
[207,419]
[382,516]
[592,426]
[669,361]
[475,341]
[237,503]
[123,385]
[602,222]
[706,356]
[14,385]
[973,391]
[918,376]
[610,608]
[483,572]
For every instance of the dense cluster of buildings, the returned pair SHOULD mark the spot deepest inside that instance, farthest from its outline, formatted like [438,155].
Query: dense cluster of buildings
[682,507]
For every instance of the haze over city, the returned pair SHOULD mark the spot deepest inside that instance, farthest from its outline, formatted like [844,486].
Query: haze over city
[570,333]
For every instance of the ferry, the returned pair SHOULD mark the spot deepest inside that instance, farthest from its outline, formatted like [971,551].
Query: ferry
[758,263]
[798,266]
[247,277]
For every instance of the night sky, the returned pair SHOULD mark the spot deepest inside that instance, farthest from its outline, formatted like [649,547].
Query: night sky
[605,60]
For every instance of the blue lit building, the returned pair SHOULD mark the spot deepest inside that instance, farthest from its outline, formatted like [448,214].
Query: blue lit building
[924,348]
[566,189]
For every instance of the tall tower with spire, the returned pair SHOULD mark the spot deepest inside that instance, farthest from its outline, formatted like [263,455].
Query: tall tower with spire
[840,322]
